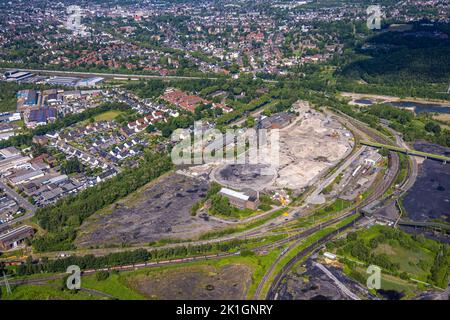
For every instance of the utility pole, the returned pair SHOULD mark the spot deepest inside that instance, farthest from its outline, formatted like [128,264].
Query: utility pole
[8,288]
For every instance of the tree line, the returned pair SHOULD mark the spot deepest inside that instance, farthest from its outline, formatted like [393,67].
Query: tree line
[26,138]
[86,262]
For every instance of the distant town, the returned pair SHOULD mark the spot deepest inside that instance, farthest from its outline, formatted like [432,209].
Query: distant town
[224,150]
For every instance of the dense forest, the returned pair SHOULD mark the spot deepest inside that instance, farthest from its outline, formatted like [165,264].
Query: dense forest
[412,63]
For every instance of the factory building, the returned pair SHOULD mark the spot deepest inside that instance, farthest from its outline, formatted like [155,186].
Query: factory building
[14,237]
[241,200]
[276,121]
[41,116]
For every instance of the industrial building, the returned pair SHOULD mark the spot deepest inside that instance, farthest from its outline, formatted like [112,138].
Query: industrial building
[16,75]
[276,121]
[63,81]
[241,200]
[14,237]
[41,116]
[90,82]
[27,99]
[74,81]
[10,157]
[373,159]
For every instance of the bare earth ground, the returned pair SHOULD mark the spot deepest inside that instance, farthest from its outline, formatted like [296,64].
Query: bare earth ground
[159,211]
[309,146]
[201,282]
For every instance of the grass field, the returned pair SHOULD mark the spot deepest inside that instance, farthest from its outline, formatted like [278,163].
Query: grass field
[124,285]
[114,286]
[242,227]
[108,115]
[389,282]
[413,257]
[44,292]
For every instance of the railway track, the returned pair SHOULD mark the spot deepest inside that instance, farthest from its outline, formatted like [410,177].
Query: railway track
[386,182]
[389,177]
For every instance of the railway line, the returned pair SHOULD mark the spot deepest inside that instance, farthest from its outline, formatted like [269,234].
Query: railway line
[388,179]
[293,240]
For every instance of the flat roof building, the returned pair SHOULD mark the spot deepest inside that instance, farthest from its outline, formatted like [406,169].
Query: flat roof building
[14,237]
[276,121]
[41,116]
[240,200]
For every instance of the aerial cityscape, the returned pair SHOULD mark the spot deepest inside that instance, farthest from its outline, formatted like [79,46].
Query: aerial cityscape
[249,150]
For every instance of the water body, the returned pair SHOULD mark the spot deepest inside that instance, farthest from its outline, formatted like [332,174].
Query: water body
[421,107]
[418,107]
[391,294]
[364,101]
[429,198]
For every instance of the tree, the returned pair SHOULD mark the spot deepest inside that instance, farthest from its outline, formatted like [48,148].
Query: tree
[250,122]
[439,270]
[72,165]
[102,275]
[352,236]
[220,205]
[432,126]
[150,128]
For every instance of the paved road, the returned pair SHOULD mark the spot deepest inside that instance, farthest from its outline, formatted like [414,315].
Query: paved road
[413,168]
[246,220]
[31,209]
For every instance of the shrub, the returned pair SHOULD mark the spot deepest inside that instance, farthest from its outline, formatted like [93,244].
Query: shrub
[102,275]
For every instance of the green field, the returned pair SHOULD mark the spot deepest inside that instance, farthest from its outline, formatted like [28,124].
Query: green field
[114,286]
[127,285]
[401,256]
[44,292]
[108,115]
[119,284]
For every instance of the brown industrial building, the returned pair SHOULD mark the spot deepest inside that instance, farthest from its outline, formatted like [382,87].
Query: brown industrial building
[241,200]
[276,121]
[14,237]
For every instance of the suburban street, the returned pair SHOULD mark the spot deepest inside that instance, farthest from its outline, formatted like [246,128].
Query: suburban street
[31,209]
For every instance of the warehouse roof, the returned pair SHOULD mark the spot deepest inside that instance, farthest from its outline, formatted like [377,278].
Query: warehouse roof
[234,194]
